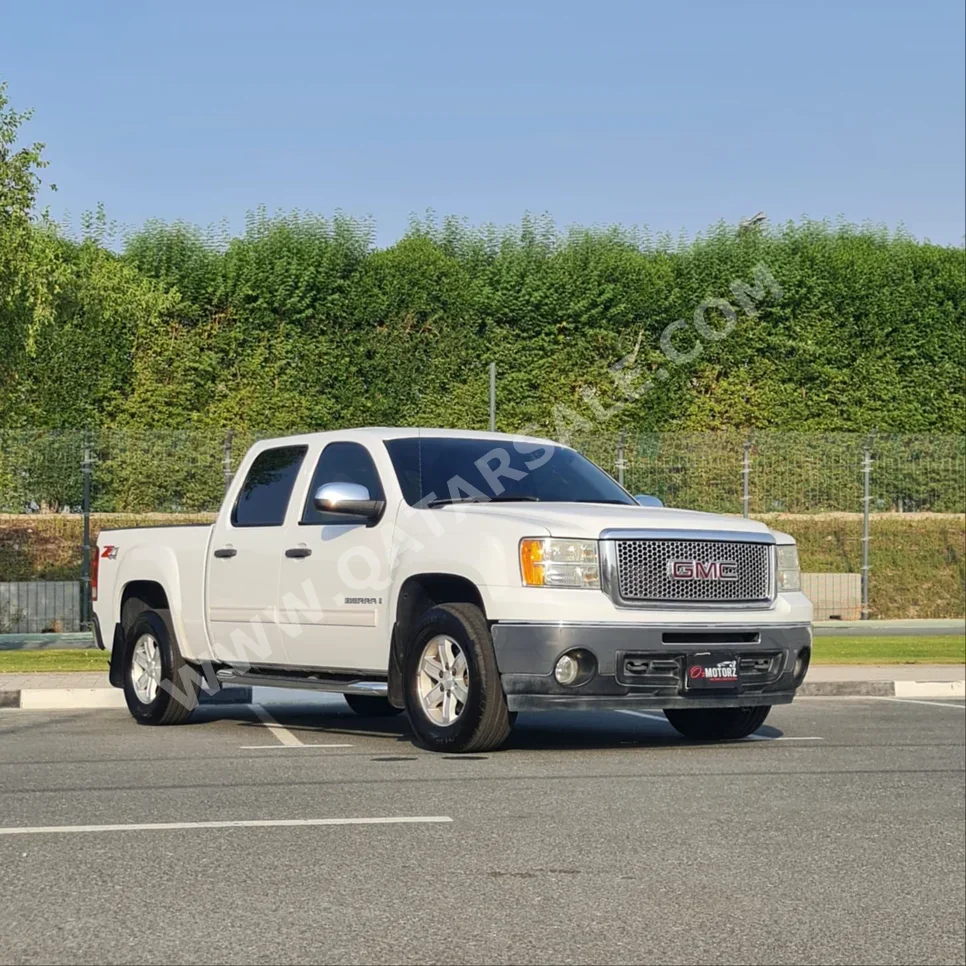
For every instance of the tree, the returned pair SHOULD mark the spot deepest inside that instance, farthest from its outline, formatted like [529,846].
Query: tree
[27,259]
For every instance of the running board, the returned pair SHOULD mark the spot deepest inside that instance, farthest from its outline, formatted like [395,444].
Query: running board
[314,682]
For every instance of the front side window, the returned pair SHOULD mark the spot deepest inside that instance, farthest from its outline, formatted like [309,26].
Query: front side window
[437,470]
[342,463]
[265,493]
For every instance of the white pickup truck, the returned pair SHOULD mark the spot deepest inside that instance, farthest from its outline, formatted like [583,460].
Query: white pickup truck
[461,576]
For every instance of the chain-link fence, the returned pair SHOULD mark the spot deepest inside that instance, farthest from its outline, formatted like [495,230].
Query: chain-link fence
[879,519]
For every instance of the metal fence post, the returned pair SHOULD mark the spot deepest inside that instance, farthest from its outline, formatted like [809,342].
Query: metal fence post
[85,588]
[227,460]
[492,397]
[746,479]
[620,459]
[866,501]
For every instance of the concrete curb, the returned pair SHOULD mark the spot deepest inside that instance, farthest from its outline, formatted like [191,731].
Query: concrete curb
[931,689]
[884,689]
[87,699]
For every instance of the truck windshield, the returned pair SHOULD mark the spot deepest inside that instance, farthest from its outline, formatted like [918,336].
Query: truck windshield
[436,470]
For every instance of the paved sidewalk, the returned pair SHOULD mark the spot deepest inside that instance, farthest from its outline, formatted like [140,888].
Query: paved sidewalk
[74,679]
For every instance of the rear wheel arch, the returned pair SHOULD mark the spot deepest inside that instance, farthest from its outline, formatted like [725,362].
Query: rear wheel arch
[137,597]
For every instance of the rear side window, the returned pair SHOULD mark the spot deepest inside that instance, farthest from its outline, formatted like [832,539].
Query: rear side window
[265,493]
[342,463]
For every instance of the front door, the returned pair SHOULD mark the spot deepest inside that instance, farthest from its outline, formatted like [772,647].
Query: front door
[332,590]
[243,565]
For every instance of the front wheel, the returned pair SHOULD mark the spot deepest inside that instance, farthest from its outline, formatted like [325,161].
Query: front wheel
[453,692]
[717,724]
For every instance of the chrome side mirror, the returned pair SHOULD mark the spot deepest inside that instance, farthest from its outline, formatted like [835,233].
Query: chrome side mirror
[350,500]
[645,500]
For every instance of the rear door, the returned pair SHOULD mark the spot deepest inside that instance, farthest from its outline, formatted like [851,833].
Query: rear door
[243,561]
[332,604]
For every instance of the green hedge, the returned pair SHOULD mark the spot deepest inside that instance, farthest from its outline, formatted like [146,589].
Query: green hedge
[161,344]
[301,322]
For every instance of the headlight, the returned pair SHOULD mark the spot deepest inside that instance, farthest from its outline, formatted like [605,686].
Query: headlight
[549,562]
[789,571]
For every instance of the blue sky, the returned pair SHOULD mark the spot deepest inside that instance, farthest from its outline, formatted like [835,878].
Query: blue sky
[673,115]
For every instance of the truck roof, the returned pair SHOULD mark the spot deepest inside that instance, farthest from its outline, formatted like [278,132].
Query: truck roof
[380,433]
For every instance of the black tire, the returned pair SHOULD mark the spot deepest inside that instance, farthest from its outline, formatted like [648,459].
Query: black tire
[371,706]
[483,724]
[717,724]
[177,695]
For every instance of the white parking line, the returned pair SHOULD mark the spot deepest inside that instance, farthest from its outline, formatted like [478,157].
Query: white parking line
[287,747]
[782,738]
[931,704]
[257,823]
[280,731]
[644,714]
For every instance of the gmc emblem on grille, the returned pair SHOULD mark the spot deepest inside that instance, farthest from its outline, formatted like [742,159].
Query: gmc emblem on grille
[699,570]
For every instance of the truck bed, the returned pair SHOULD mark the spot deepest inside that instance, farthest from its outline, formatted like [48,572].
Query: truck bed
[173,556]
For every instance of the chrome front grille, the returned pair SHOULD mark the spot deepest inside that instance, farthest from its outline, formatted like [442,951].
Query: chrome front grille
[684,571]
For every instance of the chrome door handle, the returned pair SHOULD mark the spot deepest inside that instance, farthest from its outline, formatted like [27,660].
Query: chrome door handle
[298,552]
[225,552]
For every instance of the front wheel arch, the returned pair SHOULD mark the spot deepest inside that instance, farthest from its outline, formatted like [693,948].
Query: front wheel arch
[417,595]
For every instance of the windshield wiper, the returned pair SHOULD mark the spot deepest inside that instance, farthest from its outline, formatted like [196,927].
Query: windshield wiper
[450,500]
[618,502]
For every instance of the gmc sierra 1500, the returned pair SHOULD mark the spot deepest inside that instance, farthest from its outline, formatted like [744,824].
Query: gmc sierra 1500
[461,576]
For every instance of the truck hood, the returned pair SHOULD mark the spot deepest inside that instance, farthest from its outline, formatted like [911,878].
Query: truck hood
[588,519]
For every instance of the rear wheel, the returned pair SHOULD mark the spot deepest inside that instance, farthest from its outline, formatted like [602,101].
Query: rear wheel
[453,692]
[717,724]
[160,688]
[371,706]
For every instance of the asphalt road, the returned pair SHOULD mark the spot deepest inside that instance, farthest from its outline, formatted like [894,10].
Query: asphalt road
[591,839]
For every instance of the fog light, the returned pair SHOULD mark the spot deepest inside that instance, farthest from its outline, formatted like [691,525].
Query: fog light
[575,668]
[567,670]
[801,663]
